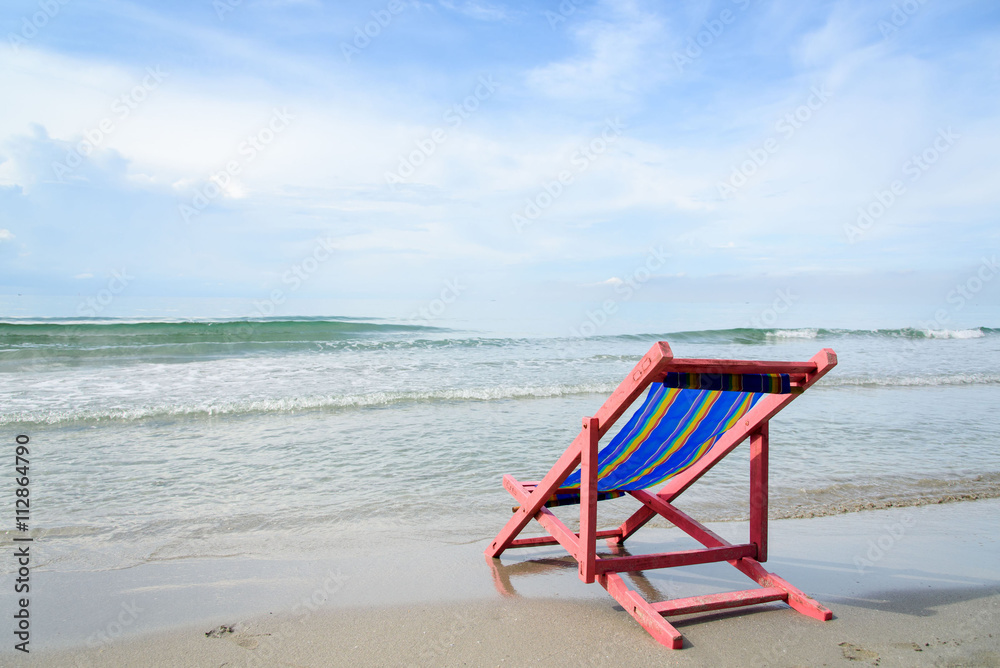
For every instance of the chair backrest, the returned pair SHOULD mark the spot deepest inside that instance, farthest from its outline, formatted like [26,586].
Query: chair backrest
[677,424]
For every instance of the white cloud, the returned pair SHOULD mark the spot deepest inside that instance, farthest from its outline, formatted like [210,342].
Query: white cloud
[6,235]
[614,280]
[621,56]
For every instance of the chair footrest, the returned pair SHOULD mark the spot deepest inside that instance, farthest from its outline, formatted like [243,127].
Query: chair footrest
[729,599]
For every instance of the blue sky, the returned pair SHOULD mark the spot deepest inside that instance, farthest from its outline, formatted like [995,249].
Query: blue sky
[737,139]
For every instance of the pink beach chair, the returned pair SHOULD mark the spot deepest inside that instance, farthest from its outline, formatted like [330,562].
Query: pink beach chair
[695,413]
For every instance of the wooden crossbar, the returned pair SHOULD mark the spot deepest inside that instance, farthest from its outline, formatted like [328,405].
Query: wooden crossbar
[671,559]
[730,599]
[582,546]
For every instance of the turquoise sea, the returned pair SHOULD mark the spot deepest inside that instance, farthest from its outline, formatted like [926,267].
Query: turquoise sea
[169,440]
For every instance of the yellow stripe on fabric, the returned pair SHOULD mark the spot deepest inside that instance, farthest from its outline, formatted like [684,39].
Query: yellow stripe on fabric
[708,401]
[699,453]
[740,411]
[651,423]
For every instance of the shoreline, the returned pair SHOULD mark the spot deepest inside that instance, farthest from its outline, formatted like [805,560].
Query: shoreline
[925,568]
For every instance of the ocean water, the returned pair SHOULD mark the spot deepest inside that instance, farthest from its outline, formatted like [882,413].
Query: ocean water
[168,440]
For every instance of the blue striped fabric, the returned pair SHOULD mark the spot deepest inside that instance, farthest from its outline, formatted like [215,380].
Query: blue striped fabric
[672,429]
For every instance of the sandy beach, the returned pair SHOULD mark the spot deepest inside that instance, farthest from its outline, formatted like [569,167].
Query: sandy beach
[908,587]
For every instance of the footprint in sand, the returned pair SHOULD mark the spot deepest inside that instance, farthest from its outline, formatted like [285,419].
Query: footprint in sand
[916,647]
[855,653]
[245,641]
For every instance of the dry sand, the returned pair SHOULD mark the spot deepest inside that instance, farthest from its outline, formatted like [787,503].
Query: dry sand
[908,587]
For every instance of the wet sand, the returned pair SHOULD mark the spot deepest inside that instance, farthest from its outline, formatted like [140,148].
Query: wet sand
[908,587]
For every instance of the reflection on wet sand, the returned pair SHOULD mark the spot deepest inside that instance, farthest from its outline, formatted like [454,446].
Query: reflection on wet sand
[502,574]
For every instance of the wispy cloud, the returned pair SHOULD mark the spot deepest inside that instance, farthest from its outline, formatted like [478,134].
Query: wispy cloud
[619,55]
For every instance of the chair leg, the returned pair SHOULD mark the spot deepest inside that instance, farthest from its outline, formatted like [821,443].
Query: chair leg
[587,558]
[758,491]
[797,599]
[654,623]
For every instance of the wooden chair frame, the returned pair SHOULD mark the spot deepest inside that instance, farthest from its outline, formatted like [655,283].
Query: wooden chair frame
[747,557]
